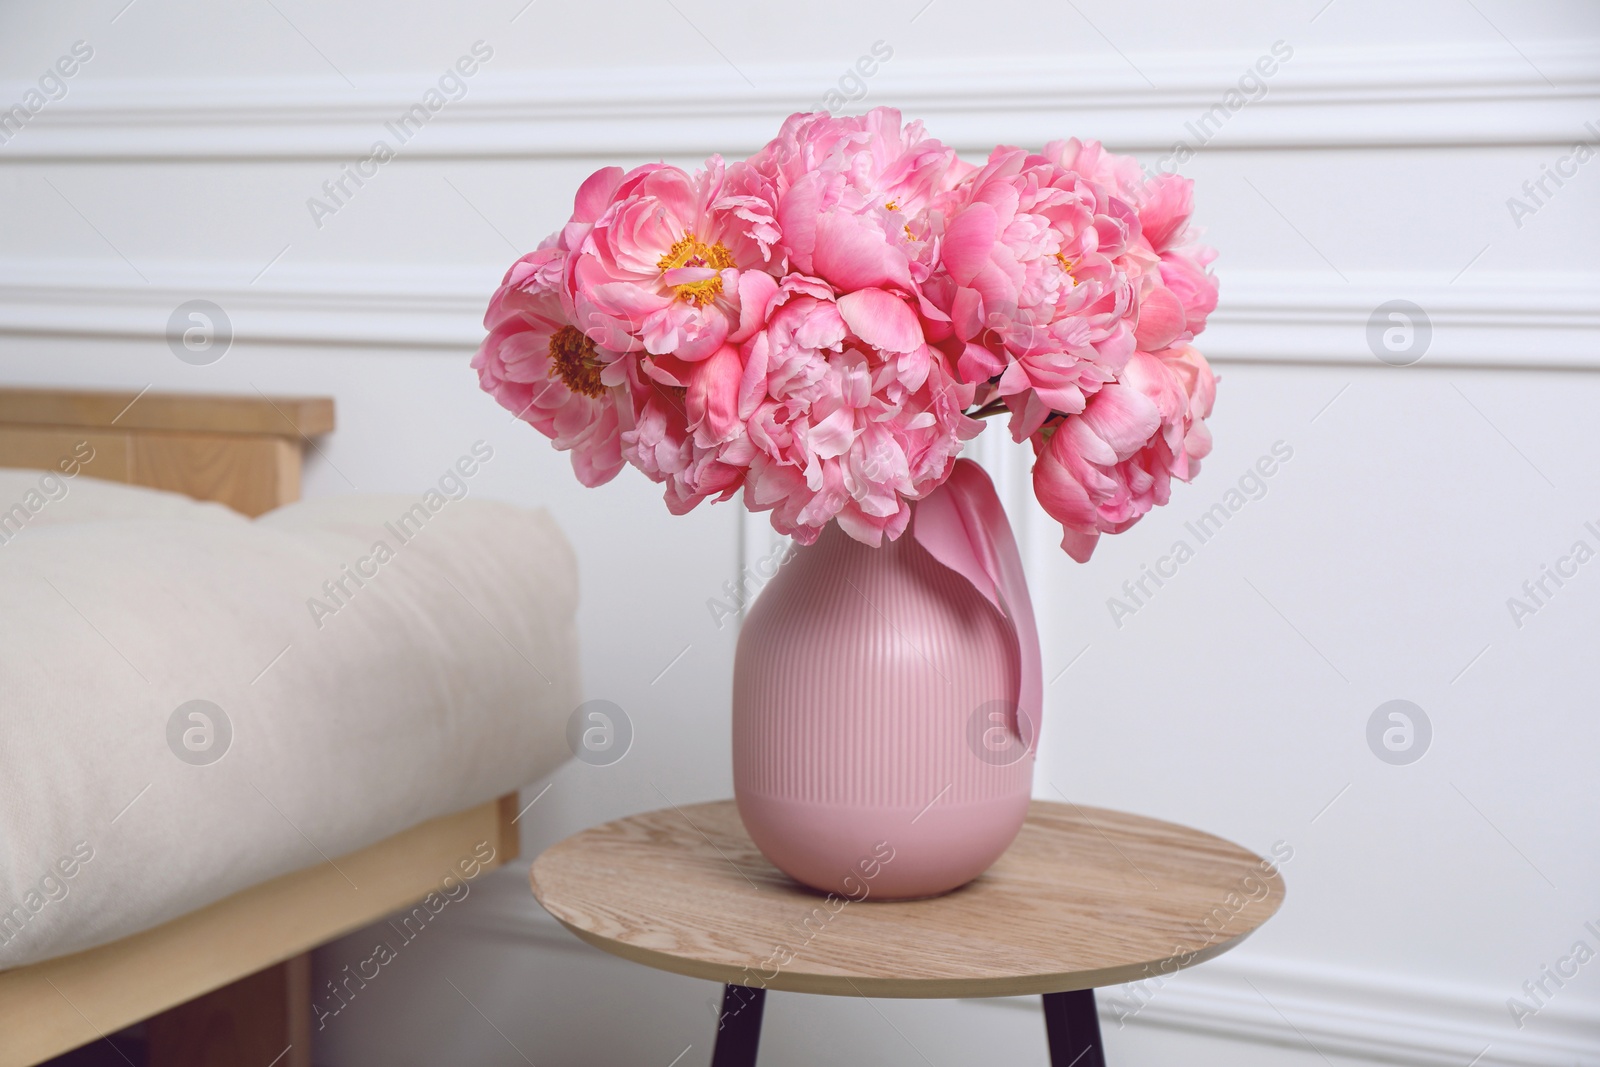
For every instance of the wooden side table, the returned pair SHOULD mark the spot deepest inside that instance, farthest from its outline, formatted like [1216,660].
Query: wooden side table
[1085,897]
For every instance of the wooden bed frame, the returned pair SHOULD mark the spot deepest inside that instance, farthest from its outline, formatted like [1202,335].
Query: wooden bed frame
[231,982]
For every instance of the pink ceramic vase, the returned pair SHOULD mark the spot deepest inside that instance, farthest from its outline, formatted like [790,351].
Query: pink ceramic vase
[877,749]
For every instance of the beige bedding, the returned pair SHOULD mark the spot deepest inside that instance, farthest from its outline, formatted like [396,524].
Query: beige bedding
[192,702]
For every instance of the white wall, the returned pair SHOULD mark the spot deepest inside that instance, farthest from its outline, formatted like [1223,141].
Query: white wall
[1377,566]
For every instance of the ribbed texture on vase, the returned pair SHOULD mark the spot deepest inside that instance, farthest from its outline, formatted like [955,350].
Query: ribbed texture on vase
[858,673]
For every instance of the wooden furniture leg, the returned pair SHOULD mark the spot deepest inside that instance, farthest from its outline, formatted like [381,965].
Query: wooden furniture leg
[1073,1027]
[263,1020]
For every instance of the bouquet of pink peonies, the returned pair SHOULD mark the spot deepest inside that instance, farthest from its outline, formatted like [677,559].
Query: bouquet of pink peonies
[824,325]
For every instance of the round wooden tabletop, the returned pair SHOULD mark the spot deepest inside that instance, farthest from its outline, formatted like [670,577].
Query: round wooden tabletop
[1085,897]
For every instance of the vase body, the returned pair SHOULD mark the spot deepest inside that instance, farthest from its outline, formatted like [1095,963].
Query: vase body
[874,716]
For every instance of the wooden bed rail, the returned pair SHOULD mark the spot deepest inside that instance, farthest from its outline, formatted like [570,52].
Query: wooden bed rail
[242,451]
[230,982]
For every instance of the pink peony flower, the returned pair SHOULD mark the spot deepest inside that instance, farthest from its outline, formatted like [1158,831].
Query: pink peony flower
[685,417]
[543,369]
[1039,270]
[818,326]
[1102,470]
[658,257]
[842,427]
[847,191]
[881,160]
[1164,203]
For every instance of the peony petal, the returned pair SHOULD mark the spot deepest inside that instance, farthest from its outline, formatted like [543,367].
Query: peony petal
[595,194]
[713,397]
[1060,493]
[1122,417]
[1185,275]
[834,435]
[1079,545]
[704,334]
[753,382]
[968,242]
[882,320]
[667,370]
[756,290]
[688,275]
[1166,208]
[1161,319]
[967,313]
[978,364]
[797,218]
[852,253]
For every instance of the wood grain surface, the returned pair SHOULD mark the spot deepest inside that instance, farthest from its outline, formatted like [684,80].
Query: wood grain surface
[1085,897]
[279,416]
[242,451]
[49,1007]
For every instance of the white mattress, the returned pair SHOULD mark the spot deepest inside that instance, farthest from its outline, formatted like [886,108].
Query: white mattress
[440,681]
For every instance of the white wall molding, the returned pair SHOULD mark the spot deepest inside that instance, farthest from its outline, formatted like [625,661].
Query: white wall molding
[1367,1016]
[1518,321]
[1463,93]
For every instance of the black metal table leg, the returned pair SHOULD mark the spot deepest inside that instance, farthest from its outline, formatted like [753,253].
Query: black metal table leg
[1073,1026]
[739,1026]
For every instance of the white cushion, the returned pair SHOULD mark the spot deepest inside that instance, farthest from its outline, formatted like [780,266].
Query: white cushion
[443,679]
